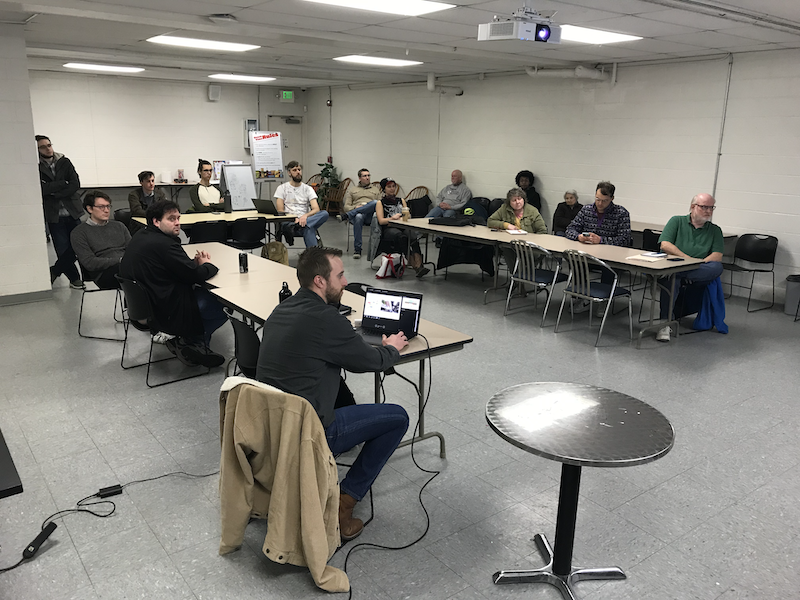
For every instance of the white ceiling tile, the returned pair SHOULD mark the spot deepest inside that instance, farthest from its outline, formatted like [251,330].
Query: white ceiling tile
[754,32]
[692,19]
[641,26]
[623,7]
[709,39]
[402,35]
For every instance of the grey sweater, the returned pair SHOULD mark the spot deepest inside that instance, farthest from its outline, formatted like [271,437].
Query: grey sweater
[99,247]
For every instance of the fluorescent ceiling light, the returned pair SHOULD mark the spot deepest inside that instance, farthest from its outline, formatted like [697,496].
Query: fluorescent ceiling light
[106,68]
[232,77]
[571,33]
[377,61]
[408,8]
[171,40]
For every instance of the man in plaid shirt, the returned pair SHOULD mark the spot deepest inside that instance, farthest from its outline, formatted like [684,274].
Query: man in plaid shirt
[602,222]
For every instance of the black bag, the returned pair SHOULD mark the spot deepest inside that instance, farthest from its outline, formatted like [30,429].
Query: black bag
[459,221]
[419,207]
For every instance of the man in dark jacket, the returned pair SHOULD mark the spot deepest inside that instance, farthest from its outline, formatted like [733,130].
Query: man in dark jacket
[142,197]
[305,346]
[156,260]
[62,207]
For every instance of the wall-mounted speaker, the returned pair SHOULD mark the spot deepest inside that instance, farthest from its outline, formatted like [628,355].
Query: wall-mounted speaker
[214,93]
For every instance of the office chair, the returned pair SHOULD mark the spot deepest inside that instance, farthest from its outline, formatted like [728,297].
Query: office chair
[246,347]
[209,231]
[248,234]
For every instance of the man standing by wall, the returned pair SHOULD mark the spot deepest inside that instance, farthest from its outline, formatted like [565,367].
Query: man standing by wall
[452,198]
[62,207]
[360,206]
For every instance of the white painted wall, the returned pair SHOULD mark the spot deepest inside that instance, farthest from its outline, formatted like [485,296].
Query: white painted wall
[23,251]
[654,135]
[114,127]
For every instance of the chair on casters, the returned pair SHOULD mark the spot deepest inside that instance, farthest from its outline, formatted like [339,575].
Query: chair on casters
[87,277]
[249,233]
[758,249]
[579,286]
[525,271]
[209,231]
[139,308]
[246,345]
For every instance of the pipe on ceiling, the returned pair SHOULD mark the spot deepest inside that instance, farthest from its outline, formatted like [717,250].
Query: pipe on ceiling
[442,89]
[578,72]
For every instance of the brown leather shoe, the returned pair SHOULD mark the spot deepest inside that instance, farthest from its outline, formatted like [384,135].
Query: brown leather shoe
[349,526]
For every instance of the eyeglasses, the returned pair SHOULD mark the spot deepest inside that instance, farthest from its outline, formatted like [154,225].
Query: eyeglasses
[102,206]
[704,207]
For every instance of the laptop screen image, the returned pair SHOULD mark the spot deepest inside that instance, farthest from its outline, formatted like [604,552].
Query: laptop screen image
[390,311]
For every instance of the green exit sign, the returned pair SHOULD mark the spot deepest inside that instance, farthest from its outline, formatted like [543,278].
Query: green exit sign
[287,96]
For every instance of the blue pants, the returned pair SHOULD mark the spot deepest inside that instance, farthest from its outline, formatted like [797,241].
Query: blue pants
[380,427]
[312,224]
[705,273]
[211,312]
[440,212]
[359,217]
[65,263]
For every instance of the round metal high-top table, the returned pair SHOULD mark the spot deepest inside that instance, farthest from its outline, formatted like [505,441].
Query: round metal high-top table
[579,426]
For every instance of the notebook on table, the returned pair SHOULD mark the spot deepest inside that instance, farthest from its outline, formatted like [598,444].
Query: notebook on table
[267,207]
[387,312]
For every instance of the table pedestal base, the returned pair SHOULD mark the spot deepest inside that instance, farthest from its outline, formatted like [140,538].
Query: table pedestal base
[546,574]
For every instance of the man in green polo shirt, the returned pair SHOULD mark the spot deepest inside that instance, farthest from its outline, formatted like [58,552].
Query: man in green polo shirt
[692,236]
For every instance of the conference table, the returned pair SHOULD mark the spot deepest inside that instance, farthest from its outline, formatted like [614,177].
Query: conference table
[629,259]
[255,295]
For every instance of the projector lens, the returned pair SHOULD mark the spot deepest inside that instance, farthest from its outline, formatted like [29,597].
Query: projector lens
[542,33]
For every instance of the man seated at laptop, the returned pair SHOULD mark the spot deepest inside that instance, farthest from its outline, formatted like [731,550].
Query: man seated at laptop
[156,260]
[305,346]
[100,242]
[299,199]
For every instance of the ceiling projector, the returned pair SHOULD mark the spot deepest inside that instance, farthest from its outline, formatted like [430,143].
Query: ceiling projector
[525,24]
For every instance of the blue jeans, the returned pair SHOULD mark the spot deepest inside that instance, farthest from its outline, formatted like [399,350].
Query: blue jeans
[312,224]
[65,262]
[380,427]
[359,217]
[210,311]
[705,273]
[436,211]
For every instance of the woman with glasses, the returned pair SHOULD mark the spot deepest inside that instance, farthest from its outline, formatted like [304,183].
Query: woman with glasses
[205,197]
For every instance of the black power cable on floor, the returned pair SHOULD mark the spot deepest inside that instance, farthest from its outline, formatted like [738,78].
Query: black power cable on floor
[85,506]
[433,473]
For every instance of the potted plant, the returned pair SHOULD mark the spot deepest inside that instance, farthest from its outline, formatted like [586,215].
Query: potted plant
[330,181]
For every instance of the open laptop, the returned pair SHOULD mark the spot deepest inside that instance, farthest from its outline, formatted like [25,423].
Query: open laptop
[267,207]
[387,312]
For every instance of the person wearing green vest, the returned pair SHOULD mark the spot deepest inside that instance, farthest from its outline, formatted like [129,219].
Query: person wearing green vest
[692,236]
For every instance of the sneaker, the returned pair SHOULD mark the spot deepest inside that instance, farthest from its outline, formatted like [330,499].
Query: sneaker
[664,333]
[53,276]
[580,306]
[140,326]
[199,355]
[77,284]
[162,338]
[422,271]
[172,345]
[357,254]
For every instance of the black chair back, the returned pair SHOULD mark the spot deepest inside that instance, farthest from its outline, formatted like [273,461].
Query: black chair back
[209,231]
[248,233]
[756,248]
[357,288]
[495,205]
[136,300]
[246,346]
[650,240]
[123,215]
